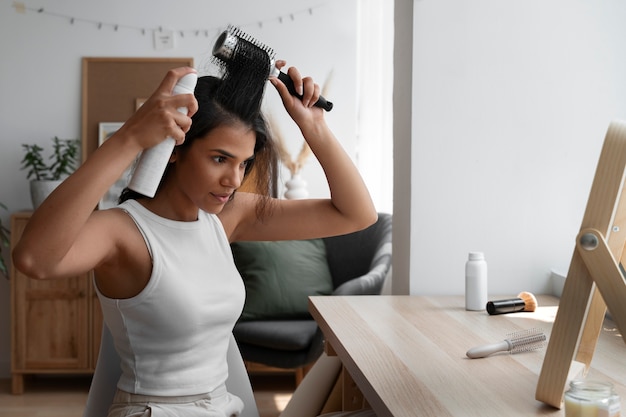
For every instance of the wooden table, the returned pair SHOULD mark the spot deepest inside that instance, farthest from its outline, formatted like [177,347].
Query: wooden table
[407,355]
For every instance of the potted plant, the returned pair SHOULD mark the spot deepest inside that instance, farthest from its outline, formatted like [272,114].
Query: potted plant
[46,177]
[4,243]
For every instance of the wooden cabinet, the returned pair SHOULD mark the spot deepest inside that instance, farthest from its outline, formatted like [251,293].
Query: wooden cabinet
[55,324]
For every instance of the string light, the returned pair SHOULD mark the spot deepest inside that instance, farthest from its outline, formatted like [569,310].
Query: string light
[20,7]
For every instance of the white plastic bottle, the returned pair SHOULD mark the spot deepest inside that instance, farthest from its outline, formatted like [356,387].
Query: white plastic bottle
[153,161]
[476,282]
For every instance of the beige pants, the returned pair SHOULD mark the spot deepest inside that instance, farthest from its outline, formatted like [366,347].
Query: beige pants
[218,403]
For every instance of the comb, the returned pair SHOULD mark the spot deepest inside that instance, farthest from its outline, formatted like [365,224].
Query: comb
[522,341]
[237,52]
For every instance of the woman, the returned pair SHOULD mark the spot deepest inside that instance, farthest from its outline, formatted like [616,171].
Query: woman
[164,273]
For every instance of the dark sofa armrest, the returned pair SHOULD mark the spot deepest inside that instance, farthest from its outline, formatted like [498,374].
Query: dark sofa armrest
[372,282]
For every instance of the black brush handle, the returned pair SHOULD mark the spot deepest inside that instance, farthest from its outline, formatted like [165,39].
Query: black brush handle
[321,102]
[505,306]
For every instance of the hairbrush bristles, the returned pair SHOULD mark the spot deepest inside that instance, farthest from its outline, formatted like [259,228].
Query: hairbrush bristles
[226,46]
[521,341]
[241,56]
[526,340]
[245,65]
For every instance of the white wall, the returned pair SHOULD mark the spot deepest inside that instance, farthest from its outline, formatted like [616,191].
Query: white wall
[41,63]
[511,102]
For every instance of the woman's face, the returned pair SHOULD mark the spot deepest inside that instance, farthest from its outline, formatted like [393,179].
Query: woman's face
[210,170]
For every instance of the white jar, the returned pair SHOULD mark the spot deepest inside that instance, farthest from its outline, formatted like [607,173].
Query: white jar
[476,282]
[591,398]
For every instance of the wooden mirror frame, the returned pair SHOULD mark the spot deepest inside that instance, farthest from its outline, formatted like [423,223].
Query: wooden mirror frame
[595,280]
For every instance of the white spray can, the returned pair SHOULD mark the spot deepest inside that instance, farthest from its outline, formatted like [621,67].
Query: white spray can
[153,161]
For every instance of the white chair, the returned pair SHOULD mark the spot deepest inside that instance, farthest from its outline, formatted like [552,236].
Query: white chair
[108,371]
[307,401]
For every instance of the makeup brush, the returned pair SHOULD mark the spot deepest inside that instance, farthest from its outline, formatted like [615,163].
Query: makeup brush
[523,341]
[525,301]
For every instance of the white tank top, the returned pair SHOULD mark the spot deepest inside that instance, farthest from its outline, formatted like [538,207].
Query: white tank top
[173,336]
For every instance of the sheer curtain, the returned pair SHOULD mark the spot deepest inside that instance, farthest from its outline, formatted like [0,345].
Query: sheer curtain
[374,155]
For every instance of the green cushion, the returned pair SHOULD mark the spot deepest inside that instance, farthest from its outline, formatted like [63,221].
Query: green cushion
[279,277]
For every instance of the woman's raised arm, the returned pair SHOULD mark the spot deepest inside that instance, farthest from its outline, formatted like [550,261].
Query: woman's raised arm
[350,206]
[64,235]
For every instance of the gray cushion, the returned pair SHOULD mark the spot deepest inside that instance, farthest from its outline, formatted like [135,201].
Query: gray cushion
[277,334]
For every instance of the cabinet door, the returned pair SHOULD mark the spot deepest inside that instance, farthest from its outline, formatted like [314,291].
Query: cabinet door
[50,320]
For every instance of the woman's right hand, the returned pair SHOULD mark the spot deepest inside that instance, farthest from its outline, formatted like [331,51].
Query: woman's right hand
[158,118]
[80,238]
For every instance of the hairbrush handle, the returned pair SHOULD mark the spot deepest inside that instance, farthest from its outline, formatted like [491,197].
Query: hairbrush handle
[522,341]
[321,102]
[486,350]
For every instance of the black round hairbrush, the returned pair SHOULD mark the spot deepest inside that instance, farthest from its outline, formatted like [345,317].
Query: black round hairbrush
[238,52]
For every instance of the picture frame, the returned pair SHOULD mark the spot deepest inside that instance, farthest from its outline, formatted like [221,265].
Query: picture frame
[111,85]
[109,200]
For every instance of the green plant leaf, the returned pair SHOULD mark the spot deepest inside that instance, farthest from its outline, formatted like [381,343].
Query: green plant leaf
[64,157]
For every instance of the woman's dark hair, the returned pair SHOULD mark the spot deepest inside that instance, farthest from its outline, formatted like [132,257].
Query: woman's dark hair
[211,114]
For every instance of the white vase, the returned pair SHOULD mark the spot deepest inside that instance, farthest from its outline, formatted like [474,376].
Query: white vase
[296,188]
[41,189]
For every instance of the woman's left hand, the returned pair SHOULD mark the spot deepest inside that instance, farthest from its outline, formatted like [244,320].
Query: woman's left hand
[302,111]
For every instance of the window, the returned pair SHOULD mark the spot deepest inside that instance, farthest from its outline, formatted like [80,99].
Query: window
[374,101]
